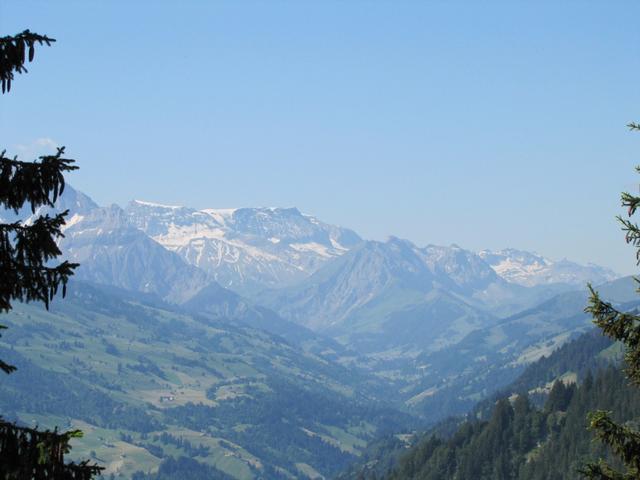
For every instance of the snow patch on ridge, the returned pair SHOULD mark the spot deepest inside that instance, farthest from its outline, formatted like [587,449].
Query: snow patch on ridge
[531,269]
[157,205]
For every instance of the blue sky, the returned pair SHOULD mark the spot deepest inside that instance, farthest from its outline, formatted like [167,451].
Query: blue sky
[486,124]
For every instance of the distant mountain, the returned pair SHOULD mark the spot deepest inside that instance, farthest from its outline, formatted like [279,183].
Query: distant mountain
[246,248]
[113,252]
[391,296]
[221,304]
[490,357]
[382,298]
[530,269]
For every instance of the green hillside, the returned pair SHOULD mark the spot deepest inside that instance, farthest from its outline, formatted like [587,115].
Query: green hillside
[235,399]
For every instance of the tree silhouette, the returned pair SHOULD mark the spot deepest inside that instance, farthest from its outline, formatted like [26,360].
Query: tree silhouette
[27,248]
[624,327]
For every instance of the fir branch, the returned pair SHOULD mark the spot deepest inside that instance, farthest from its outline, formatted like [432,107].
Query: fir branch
[624,441]
[620,326]
[601,471]
[6,368]
[630,201]
[37,183]
[632,235]
[30,453]
[15,51]
[34,284]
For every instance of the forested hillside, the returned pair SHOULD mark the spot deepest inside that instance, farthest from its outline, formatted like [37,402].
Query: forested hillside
[533,429]
[522,442]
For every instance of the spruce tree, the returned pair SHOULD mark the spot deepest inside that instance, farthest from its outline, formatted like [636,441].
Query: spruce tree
[624,327]
[27,249]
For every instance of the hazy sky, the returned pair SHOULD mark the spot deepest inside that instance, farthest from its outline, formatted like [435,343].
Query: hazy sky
[486,124]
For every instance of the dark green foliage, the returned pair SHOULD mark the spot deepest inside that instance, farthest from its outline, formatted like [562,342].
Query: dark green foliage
[27,249]
[581,355]
[183,468]
[26,274]
[624,327]
[521,442]
[186,445]
[559,397]
[26,453]
[271,415]
[37,390]
[15,50]
[569,443]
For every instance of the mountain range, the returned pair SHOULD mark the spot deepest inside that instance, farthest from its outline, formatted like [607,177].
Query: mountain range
[246,309]
[365,294]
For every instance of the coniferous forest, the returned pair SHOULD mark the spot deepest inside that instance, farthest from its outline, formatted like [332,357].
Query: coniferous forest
[522,441]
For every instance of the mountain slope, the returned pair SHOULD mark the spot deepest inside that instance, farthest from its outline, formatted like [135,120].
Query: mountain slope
[384,296]
[113,252]
[550,441]
[146,382]
[521,442]
[221,304]
[489,358]
[570,363]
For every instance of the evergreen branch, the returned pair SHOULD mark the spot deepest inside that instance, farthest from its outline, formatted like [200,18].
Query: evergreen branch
[632,235]
[34,284]
[6,368]
[15,51]
[614,323]
[624,441]
[27,36]
[29,453]
[621,326]
[630,201]
[37,183]
[54,224]
[602,471]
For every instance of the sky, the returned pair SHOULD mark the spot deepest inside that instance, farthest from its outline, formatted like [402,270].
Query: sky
[487,124]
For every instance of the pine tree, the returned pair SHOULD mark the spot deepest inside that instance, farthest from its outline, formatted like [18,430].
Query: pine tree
[27,249]
[624,327]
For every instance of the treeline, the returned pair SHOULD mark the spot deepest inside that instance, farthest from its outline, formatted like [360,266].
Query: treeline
[183,468]
[38,390]
[522,442]
[587,353]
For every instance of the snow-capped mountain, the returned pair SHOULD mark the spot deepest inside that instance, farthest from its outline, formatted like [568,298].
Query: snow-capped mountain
[113,252]
[465,269]
[327,272]
[244,249]
[530,269]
